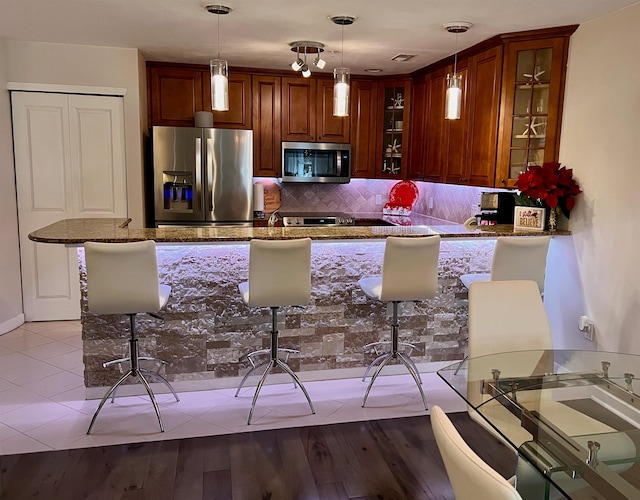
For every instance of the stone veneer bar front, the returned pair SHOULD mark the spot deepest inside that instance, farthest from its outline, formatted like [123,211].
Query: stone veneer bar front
[207,327]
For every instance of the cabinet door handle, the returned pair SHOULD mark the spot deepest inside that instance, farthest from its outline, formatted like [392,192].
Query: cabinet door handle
[503,181]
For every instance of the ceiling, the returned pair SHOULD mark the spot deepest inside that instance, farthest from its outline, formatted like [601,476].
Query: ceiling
[258,32]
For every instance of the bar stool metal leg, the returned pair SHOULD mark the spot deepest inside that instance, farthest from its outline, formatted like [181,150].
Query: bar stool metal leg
[134,371]
[394,353]
[274,361]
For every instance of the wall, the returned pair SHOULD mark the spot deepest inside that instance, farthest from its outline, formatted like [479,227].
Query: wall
[50,63]
[10,286]
[600,142]
[449,202]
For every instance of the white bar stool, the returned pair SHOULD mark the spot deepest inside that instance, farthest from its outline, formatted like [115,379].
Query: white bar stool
[409,273]
[516,258]
[122,278]
[279,275]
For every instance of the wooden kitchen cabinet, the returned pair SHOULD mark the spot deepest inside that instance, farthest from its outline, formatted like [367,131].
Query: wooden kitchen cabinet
[532,96]
[420,91]
[239,114]
[461,151]
[393,128]
[485,70]
[176,92]
[266,95]
[456,132]
[436,128]
[307,112]
[174,95]
[364,130]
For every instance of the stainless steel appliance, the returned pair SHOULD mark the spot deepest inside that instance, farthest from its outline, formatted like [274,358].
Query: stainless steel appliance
[308,219]
[202,176]
[316,162]
[496,208]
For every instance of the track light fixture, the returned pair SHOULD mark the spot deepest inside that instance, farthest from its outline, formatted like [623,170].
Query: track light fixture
[219,68]
[453,97]
[304,48]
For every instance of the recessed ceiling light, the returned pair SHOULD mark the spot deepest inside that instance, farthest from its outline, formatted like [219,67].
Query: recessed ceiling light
[403,57]
[373,70]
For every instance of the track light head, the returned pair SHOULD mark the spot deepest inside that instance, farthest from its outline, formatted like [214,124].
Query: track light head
[319,62]
[306,72]
[297,65]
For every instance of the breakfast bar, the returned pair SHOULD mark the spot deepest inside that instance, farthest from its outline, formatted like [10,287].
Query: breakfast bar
[207,328]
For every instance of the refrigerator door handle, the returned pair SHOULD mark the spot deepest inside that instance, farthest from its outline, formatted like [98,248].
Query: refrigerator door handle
[209,169]
[198,195]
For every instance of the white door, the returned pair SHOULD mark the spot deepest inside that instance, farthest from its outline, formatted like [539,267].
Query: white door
[70,162]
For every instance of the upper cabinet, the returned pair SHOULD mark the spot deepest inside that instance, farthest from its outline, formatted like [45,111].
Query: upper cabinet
[393,146]
[364,130]
[176,92]
[511,111]
[239,114]
[307,112]
[485,73]
[267,137]
[533,90]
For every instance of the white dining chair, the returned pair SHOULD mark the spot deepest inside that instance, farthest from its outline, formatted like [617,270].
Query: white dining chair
[471,478]
[509,316]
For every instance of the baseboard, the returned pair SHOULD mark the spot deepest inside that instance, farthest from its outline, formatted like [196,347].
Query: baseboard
[276,378]
[12,324]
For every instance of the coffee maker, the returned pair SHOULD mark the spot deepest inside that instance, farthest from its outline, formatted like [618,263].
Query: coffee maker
[496,208]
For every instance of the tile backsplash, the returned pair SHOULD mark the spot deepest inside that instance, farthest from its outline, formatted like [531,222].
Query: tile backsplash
[444,201]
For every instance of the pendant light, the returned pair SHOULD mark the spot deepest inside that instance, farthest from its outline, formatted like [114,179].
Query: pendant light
[219,68]
[342,75]
[453,97]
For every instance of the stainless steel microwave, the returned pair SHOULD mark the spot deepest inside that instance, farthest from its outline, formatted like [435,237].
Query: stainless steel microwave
[316,162]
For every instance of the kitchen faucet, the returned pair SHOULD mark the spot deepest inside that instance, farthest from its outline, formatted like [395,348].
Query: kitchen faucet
[273,218]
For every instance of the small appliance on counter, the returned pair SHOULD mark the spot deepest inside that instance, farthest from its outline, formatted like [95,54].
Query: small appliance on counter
[496,208]
[402,197]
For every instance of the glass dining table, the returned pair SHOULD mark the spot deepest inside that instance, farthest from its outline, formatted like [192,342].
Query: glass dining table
[572,416]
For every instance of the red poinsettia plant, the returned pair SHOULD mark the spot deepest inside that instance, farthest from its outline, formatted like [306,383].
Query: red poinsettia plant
[548,185]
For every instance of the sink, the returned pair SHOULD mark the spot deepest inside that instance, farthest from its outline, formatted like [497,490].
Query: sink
[373,222]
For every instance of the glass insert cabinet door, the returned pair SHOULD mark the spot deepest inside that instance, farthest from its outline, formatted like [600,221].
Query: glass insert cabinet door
[393,155]
[534,77]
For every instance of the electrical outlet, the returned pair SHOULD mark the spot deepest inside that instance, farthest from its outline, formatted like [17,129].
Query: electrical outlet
[586,326]
[431,203]
[378,199]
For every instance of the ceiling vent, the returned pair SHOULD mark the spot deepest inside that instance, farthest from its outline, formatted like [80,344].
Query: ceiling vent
[403,57]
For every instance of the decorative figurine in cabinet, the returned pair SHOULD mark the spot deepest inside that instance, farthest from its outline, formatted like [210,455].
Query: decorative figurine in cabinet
[394,100]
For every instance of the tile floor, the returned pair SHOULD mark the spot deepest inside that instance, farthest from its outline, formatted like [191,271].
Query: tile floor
[43,406]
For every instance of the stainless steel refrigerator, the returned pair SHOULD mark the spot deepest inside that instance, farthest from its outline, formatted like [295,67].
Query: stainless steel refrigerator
[202,176]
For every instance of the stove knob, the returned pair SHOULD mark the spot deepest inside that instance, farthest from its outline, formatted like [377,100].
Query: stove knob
[298,222]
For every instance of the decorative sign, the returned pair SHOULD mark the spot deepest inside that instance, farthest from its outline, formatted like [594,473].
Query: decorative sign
[528,219]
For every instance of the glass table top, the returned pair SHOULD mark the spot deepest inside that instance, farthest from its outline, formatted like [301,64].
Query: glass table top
[575,415]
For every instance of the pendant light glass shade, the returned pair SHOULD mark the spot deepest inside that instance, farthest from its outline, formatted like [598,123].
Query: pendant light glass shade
[453,101]
[219,85]
[341,79]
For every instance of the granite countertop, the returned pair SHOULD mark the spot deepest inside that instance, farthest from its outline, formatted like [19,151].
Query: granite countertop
[77,231]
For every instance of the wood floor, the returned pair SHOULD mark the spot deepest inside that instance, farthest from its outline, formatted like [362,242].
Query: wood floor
[381,460]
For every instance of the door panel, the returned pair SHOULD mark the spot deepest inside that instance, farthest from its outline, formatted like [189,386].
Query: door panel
[97,156]
[63,145]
